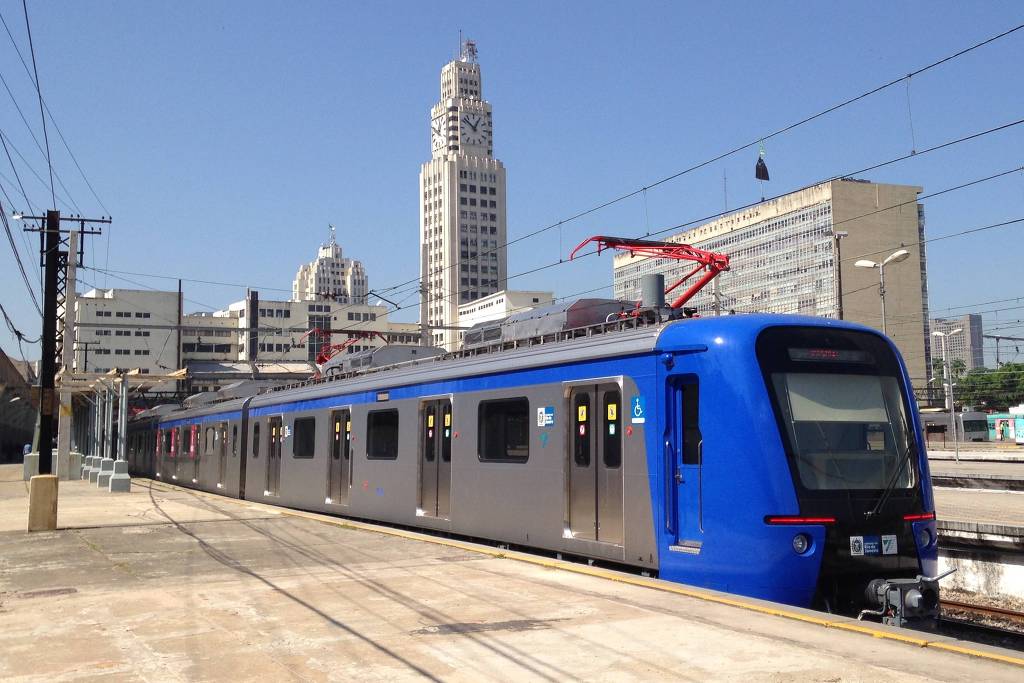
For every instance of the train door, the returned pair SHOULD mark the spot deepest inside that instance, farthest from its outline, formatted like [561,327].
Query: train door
[177,449]
[194,452]
[436,458]
[274,438]
[339,467]
[595,466]
[220,447]
[685,456]
[159,469]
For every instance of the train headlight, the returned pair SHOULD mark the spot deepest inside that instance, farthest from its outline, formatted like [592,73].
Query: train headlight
[924,537]
[801,543]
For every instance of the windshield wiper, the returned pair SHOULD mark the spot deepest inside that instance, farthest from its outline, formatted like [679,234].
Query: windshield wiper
[892,481]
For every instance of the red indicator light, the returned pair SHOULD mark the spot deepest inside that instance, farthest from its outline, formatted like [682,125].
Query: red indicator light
[787,519]
[918,516]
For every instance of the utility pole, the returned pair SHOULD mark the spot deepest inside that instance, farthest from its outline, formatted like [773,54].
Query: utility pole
[43,497]
[65,466]
[837,237]
[947,379]
[85,357]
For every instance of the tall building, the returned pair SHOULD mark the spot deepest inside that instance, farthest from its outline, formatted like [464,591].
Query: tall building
[331,277]
[967,345]
[462,202]
[784,254]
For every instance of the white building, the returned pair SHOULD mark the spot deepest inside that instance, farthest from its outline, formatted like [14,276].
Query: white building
[280,327]
[499,306]
[209,336]
[126,328]
[331,277]
[462,203]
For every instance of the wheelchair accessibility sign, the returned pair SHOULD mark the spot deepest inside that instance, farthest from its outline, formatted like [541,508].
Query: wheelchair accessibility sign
[637,410]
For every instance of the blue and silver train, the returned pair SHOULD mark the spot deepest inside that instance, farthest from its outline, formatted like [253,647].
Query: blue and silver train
[772,456]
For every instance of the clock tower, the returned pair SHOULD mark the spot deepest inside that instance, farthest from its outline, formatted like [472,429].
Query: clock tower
[462,203]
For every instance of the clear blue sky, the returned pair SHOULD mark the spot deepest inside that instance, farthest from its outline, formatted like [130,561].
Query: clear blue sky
[225,136]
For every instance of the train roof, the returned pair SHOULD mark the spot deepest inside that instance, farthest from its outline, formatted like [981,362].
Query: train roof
[639,338]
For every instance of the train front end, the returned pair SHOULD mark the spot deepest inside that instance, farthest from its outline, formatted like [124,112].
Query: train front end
[847,422]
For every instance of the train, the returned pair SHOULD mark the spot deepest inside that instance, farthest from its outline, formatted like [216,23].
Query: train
[773,456]
[972,426]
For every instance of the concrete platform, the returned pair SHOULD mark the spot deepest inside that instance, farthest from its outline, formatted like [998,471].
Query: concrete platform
[978,474]
[980,518]
[980,453]
[173,585]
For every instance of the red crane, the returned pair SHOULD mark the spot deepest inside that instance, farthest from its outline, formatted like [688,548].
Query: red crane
[329,350]
[714,263]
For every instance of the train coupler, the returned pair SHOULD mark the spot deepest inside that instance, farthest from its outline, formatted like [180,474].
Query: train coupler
[904,602]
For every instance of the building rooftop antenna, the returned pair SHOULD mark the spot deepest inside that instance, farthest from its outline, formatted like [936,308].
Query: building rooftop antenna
[468,50]
[331,226]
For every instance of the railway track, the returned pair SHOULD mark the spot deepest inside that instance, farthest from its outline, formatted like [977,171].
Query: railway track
[982,624]
[1017,618]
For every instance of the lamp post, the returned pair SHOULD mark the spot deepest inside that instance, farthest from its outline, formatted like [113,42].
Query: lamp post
[894,257]
[948,384]
[837,237]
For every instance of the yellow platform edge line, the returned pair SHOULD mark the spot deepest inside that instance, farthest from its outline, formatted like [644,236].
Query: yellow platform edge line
[597,572]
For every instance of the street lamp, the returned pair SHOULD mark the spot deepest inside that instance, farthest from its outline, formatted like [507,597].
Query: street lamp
[837,237]
[948,385]
[894,257]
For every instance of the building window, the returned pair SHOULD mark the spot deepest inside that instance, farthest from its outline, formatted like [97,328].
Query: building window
[305,437]
[382,435]
[503,430]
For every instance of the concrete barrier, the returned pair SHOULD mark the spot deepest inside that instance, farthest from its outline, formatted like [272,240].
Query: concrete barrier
[30,466]
[120,482]
[105,472]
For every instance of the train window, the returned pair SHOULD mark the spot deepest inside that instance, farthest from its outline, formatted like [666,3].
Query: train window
[382,435]
[429,425]
[611,433]
[446,442]
[691,424]
[503,430]
[234,440]
[210,439]
[304,443]
[581,430]
[256,440]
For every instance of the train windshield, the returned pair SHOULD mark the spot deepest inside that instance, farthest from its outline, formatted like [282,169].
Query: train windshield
[839,401]
[846,431]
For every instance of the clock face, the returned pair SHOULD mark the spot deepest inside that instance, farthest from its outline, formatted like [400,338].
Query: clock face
[474,129]
[438,139]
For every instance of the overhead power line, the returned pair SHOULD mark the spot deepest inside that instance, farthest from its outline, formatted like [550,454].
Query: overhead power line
[53,121]
[747,145]
[39,92]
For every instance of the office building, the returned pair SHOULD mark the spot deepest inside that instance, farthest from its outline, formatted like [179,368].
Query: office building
[966,345]
[462,203]
[784,254]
